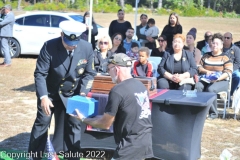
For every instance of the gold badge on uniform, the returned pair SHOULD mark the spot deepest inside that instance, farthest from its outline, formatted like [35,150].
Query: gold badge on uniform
[232,52]
[73,36]
[80,71]
[184,59]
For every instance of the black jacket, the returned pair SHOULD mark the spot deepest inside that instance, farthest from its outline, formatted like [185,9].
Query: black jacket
[94,32]
[167,64]
[52,77]
[201,44]
[98,61]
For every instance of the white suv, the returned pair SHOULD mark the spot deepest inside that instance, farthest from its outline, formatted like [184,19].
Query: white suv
[32,29]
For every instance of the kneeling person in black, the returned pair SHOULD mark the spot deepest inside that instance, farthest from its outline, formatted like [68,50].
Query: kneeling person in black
[129,111]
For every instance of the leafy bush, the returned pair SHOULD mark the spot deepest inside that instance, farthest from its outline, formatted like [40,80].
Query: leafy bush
[230,15]
[144,10]
[128,8]
[29,8]
[163,11]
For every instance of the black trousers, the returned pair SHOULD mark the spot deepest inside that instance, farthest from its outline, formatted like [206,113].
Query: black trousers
[67,133]
[212,87]
[164,83]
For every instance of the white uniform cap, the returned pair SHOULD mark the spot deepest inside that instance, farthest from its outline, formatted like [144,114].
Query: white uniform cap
[72,31]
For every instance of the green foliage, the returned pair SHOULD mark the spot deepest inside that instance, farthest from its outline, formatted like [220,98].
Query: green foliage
[230,15]
[106,7]
[14,4]
[128,8]
[46,7]
[190,8]
[212,13]
[28,8]
[163,11]
[1,3]
[144,10]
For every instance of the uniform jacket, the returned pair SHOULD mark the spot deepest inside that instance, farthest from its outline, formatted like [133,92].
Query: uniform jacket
[234,54]
[52,77]
[6,25]
[167,63]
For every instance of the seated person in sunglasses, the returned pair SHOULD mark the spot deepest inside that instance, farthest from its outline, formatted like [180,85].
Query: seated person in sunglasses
[101,56]
[117,43]
[159,52]
[233,52]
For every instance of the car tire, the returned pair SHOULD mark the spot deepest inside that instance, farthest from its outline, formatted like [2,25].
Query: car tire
[15,49]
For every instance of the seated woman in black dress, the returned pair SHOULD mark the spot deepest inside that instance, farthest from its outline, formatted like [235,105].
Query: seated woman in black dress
[101,57]
[177,66]
[159,52]
[117,44]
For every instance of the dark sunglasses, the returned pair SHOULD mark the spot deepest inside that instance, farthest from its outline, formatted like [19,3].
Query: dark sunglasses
[160,40]
[227,37]
[119,39]
[101,43]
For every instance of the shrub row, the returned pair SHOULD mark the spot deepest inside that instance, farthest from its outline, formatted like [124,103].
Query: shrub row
[113,7]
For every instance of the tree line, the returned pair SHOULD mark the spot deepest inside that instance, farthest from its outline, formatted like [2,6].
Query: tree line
[216,5]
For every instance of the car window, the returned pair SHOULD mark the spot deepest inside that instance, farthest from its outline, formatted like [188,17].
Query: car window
[37,20]
[78,18]
[55,20]
[19,21]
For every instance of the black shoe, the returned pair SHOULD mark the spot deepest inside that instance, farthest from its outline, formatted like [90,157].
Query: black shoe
[212,116]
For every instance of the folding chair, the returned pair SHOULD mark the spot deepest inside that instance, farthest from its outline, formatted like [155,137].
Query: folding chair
[224,96]
[155,61]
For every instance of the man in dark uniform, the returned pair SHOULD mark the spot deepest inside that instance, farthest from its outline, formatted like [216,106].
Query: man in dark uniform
[64,68]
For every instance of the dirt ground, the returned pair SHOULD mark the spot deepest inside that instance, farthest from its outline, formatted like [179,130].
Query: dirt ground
[18,100]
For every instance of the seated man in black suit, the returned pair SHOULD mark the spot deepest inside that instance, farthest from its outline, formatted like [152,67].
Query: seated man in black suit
[201,44]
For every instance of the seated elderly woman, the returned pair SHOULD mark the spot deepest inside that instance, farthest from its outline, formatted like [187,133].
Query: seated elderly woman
[100,57]
[210,64]
[176,67]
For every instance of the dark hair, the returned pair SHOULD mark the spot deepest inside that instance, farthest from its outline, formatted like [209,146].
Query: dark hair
[151,21]
[134,44]
[112,38]
[130,28]
[85,14]
[176,15]
[217,36]
[163,36]
[120,10]
[143,15]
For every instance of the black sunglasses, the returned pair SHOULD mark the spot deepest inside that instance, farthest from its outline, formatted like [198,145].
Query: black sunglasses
[101,43]
[160,40]
[227,37]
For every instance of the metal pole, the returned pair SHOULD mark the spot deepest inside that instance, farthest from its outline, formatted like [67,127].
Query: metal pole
[135,21]
[90,22]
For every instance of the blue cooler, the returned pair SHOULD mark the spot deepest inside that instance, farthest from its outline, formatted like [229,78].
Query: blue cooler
[87,106]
